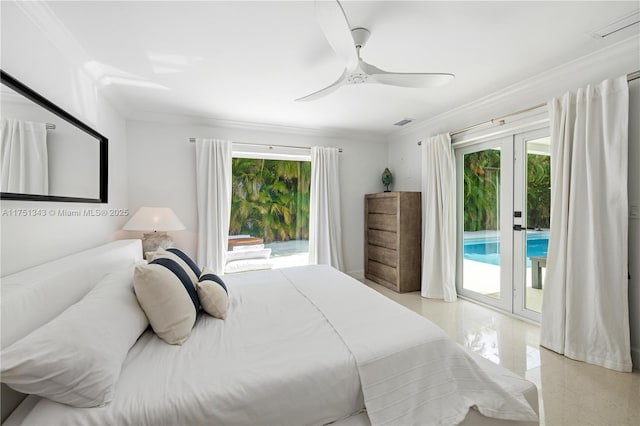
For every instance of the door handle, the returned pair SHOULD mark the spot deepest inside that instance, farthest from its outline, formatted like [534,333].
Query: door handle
[517,227]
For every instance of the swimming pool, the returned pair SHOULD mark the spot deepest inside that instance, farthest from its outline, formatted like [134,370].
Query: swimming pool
[486,249]
[288,248]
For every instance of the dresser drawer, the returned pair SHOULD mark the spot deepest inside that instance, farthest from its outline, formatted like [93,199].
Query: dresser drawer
[386,205]
[383,222]
[383,255]
[385,272]
[382,238]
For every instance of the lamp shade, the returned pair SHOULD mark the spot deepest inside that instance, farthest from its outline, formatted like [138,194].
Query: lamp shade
[154,219]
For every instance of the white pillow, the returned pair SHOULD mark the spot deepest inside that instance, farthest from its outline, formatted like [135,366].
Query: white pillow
[251,247]
[168,298]
[248,254]
[213,294]
[247,265]
[76,358]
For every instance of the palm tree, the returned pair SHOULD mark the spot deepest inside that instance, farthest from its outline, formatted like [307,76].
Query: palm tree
[481,190]
[270,198]
[538,193]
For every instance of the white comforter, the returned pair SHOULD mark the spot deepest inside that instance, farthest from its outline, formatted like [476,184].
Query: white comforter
[411,372]
[273,361]
[299,346]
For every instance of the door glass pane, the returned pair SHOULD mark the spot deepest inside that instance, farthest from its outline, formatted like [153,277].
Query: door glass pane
[538,216]
[481,198]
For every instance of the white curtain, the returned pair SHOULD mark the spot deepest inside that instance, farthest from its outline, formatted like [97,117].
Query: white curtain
[585,313]
[25,164]
[213,186]
[325,232]
[439,219]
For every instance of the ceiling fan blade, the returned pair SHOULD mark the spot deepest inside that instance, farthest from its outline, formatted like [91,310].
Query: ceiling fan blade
[337,30]
[414,80]
[407,79]
[329,89]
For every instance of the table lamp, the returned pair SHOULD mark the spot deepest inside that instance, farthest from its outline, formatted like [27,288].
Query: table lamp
[158,220]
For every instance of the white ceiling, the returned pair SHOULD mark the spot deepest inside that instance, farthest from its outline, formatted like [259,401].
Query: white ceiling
[247,61]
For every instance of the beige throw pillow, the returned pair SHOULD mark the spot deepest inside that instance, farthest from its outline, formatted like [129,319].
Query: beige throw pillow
[213,295]
[169,299]
[181,259]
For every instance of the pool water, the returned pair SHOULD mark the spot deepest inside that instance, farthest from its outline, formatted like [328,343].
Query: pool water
[487,249]
[288,248]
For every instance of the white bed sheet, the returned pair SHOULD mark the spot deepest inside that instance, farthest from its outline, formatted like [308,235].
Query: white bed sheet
[411,372]
[274,361]
[298,347]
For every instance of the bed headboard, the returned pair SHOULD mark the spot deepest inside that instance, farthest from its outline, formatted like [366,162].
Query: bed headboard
[32,297]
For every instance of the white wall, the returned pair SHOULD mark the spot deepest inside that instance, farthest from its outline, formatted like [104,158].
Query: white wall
[32,58]
[623,58]
[162,173]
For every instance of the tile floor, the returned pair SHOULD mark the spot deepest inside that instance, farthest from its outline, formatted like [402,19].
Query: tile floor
[570,392]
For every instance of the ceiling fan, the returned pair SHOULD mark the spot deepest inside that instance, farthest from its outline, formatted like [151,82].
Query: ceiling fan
[347,42]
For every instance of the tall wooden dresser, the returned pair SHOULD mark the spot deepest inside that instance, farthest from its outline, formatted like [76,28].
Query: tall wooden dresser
[393,240]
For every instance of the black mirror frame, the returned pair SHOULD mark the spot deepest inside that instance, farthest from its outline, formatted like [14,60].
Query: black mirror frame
[30,94]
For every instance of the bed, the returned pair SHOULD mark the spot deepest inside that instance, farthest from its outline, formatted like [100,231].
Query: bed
[305,345]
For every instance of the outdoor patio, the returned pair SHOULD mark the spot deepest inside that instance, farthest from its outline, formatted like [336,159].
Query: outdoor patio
[484,278]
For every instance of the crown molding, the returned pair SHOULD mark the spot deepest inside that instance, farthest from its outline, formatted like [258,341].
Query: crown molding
[193,120]
[627,48]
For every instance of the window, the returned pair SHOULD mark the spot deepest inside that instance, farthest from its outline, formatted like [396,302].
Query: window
[270,200]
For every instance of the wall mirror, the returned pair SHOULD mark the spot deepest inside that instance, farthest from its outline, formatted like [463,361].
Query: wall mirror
[46,154]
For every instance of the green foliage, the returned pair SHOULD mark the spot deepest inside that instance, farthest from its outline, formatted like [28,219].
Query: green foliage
[538,191]
[482,190]
[270,199]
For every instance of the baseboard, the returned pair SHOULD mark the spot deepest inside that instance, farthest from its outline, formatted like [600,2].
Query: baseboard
[358,275]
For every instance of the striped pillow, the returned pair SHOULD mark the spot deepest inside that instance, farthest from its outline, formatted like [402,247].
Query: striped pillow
[168,298]
[185,262]
[182,255]
[213,294]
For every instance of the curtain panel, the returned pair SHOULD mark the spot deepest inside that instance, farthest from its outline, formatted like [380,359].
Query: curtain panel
[23,157]
[439,219]
[585,313]
[325,229]
[213,194]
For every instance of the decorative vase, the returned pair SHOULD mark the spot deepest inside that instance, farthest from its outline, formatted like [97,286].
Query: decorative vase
[387,178]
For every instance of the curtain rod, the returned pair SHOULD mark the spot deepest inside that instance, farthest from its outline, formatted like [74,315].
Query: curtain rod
[271,146]
[500,121]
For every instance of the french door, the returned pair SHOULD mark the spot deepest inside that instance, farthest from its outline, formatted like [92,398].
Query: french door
[503,221]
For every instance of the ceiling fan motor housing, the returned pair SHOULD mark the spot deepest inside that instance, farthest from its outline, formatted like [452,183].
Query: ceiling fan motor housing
[360,36]
[357,78]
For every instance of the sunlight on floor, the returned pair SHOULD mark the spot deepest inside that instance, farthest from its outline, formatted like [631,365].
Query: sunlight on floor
[484,278]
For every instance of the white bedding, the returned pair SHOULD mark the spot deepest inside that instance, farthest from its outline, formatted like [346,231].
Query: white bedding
[411,372]
[294,349]
[273,361]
